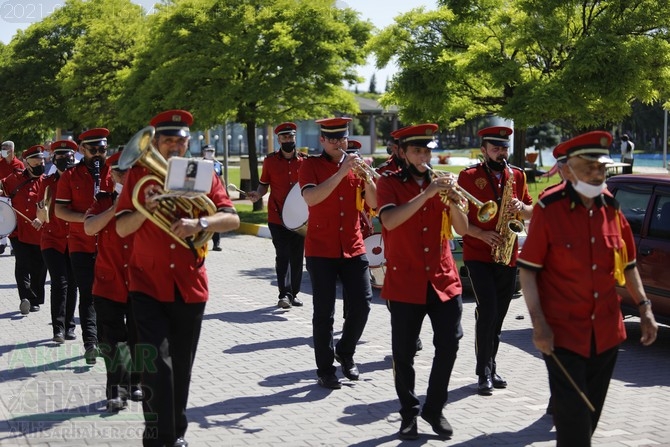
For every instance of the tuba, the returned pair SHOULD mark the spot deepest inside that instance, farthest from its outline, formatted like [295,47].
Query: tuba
[508,226]
[139,150]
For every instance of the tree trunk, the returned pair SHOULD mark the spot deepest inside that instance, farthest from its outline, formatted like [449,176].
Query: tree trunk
[253,160]
[519,155]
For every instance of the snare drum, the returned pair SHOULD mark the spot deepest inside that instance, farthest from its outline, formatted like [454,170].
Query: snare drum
[7,219]
[295,212]
[374,246]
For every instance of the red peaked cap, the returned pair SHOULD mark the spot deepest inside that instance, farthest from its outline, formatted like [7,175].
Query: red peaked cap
[593,146]
[286,128]
[334,127]
[113,160]
[174,123]
[496,135]
[63,146]
[354,144]
[94,137]
[421,135]
[36,151]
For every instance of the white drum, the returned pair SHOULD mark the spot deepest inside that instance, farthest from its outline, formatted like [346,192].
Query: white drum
[7,219]
[295,212]
[374,246]
[377,275]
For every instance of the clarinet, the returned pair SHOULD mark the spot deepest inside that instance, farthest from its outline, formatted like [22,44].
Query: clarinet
[96,178]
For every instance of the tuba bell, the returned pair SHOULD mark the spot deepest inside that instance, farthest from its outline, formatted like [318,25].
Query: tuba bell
[140,151]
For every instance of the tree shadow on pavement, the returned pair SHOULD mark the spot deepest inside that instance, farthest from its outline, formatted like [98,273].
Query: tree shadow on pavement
[261,315]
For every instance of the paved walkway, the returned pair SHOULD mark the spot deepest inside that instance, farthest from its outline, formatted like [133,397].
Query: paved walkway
[254,378]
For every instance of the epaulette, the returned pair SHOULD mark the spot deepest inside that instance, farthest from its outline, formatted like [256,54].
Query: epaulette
[471,166]
[516,167]
[553,197]
[302,154]
[388,173]
[271,154]
[611,201]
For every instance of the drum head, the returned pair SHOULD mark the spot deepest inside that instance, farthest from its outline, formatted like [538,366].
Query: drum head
[7,219]
[374,246]
[295,212]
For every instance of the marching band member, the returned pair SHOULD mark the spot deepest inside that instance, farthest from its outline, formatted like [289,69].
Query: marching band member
[493,281]
[579,246]
[9,164]
[421,275]
[168,286]
[334,248]
[54,246]
[279,174]
[76,192]
[23,189]
[208,154]
[117,335]
[395,161]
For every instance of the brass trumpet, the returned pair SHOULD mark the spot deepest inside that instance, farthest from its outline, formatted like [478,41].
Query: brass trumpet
[362,170]
[485,210]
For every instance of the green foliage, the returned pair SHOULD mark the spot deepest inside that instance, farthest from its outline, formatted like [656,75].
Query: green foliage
[578,63]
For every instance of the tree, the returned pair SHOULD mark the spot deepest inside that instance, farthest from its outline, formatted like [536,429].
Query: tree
[251,61]
[63,71]
[580,64]
[373,84]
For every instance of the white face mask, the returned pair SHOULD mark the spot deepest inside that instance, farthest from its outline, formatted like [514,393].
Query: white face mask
[587,189]
[118,187]
[209,155]
[4,153]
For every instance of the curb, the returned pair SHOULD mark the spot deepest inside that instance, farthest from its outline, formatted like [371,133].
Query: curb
[254,230]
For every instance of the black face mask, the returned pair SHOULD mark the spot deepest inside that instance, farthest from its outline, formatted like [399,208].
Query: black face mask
[37,170]
[63,163]
[415,172]
[288,147]
[91,162]
[495,165]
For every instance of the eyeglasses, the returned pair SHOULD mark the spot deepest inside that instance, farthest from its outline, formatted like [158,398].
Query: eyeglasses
[336,140]
[94,151]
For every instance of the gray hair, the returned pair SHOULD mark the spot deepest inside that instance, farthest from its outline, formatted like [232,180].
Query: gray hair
[8,143]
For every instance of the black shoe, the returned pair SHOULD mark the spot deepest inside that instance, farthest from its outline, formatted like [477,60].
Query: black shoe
[408,430]
[216,248]
[58,338]
[349,368]
[35,308]
[91,353]
[24,307]
[116,404]
[295,301]
[136,393]
[485,385]
[439,423]
[70,335]
[2,248]
[180,442]
[330,381]
[284,302]
[550,407]
[498,382]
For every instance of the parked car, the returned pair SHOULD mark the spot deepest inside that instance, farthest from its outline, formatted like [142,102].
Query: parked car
[645,201]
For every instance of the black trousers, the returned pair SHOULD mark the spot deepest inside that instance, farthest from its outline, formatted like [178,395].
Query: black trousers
[289,249]
[574,422]
[167,339]
[83,267]
[118,338]
[406,321]
[63,290]
[30,271]
[355,277]
[493,285]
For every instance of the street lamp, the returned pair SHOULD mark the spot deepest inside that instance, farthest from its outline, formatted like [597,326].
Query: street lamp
[539,153]
[216,142]
[260,143]
[239,143]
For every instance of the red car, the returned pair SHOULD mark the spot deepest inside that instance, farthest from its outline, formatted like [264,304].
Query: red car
[645,201]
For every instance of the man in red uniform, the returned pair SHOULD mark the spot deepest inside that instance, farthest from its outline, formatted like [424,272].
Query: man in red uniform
[8,165]
[421,275]
[54,246]
[77,189]
[279,175]
[334,248]
[23,190]
[395,162]
[118,335]
[493,283]
[579,246]
[168,285]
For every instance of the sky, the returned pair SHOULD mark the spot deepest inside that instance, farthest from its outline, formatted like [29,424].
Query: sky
[19,14]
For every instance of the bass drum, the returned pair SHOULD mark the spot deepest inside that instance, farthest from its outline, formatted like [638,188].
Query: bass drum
[374,246]
[7,219]
[295,212]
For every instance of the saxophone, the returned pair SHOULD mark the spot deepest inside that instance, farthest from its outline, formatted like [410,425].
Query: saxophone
[508,226]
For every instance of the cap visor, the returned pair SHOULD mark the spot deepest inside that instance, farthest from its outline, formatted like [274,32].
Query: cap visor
[174,133]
